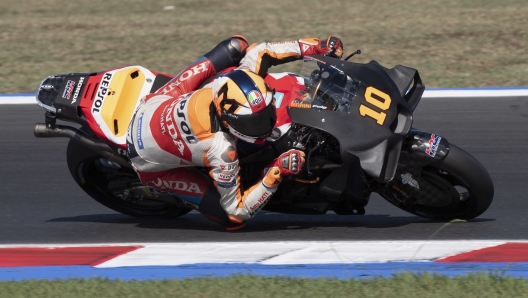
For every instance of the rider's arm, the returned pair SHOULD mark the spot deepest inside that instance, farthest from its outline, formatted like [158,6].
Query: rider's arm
[227,53]
[241,204]
[260,57]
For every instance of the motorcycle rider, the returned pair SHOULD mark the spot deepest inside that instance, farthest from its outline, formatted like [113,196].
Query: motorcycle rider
[176,130]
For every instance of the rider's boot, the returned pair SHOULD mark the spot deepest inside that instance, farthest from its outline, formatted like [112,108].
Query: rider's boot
[210,207]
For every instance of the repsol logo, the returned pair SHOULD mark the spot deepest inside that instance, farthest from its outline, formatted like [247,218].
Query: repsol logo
[101,93]
[177,185]
[181,122]
[77,90]
[184,126]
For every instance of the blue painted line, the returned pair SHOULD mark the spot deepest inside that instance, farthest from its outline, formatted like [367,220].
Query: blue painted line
[341,271]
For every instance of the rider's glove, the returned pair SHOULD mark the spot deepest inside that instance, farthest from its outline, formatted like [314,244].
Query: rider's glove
[288,163]
[332,46]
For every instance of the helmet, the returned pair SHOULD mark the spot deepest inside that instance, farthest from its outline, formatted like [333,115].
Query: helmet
[245,105]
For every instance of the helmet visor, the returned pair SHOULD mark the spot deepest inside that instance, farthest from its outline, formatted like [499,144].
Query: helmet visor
[258,125]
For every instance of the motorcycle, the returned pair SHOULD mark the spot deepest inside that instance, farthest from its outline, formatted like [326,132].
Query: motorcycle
[353,120]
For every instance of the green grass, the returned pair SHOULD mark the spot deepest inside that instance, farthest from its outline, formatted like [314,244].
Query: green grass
[452,43]
[402,285]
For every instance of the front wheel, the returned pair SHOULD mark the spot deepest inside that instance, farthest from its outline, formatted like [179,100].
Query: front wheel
[460,179]
[116,187]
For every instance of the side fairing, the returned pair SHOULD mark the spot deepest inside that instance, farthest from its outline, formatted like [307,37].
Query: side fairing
[378,119]
[112,98]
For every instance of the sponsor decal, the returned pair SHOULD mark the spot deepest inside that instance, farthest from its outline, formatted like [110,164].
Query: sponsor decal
[77,90]
[131,149]
[226,176]
[278,99]
[260,202]
[319,107]
[301,105]
[47,87]
[171,128]
[230,155]
[162,121]
[255,98]
[226,184]
[140,124]
[305,47]
[434,141]
[184,126]
[169,124]
[408,179]
[101,92]
[230,167]
[282,42]
[177,185]
[68,89]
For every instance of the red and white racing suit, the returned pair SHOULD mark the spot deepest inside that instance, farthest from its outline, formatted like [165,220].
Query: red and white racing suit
[174,131]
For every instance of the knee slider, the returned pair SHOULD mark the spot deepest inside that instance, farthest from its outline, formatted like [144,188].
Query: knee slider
[228,53]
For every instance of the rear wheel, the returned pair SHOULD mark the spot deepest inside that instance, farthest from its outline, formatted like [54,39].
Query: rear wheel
[463,183]
[117,187]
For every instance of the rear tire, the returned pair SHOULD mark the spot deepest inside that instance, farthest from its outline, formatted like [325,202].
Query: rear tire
[461,170]
[83,164]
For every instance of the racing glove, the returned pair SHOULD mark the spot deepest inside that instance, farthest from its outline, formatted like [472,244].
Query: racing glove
[288,163]
[332,46]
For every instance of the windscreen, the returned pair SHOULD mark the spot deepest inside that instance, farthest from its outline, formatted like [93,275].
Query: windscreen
[327,87]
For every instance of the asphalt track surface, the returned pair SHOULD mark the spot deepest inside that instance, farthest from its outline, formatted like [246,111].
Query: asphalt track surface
[41,204]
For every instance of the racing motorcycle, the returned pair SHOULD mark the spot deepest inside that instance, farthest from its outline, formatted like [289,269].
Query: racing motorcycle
[353,121]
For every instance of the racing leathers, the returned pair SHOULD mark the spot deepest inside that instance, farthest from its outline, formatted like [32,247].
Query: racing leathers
[175,132]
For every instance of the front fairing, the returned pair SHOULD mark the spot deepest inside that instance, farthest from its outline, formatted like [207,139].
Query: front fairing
[370,117]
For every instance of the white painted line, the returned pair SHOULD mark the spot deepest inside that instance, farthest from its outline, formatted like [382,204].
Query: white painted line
[17,99]
[475,92]
[299,252]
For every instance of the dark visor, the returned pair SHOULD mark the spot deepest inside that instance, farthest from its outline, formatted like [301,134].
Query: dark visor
[259,125]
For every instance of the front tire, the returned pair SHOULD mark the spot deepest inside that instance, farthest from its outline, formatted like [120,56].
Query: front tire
[458,173]
[93,174]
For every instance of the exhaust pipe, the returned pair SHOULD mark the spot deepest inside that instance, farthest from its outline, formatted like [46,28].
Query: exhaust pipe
[56,131]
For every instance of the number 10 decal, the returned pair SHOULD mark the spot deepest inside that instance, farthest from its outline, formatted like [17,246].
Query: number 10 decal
[381,101]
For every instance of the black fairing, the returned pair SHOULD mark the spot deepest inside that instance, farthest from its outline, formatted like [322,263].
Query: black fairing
[377,146]
[61,94]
